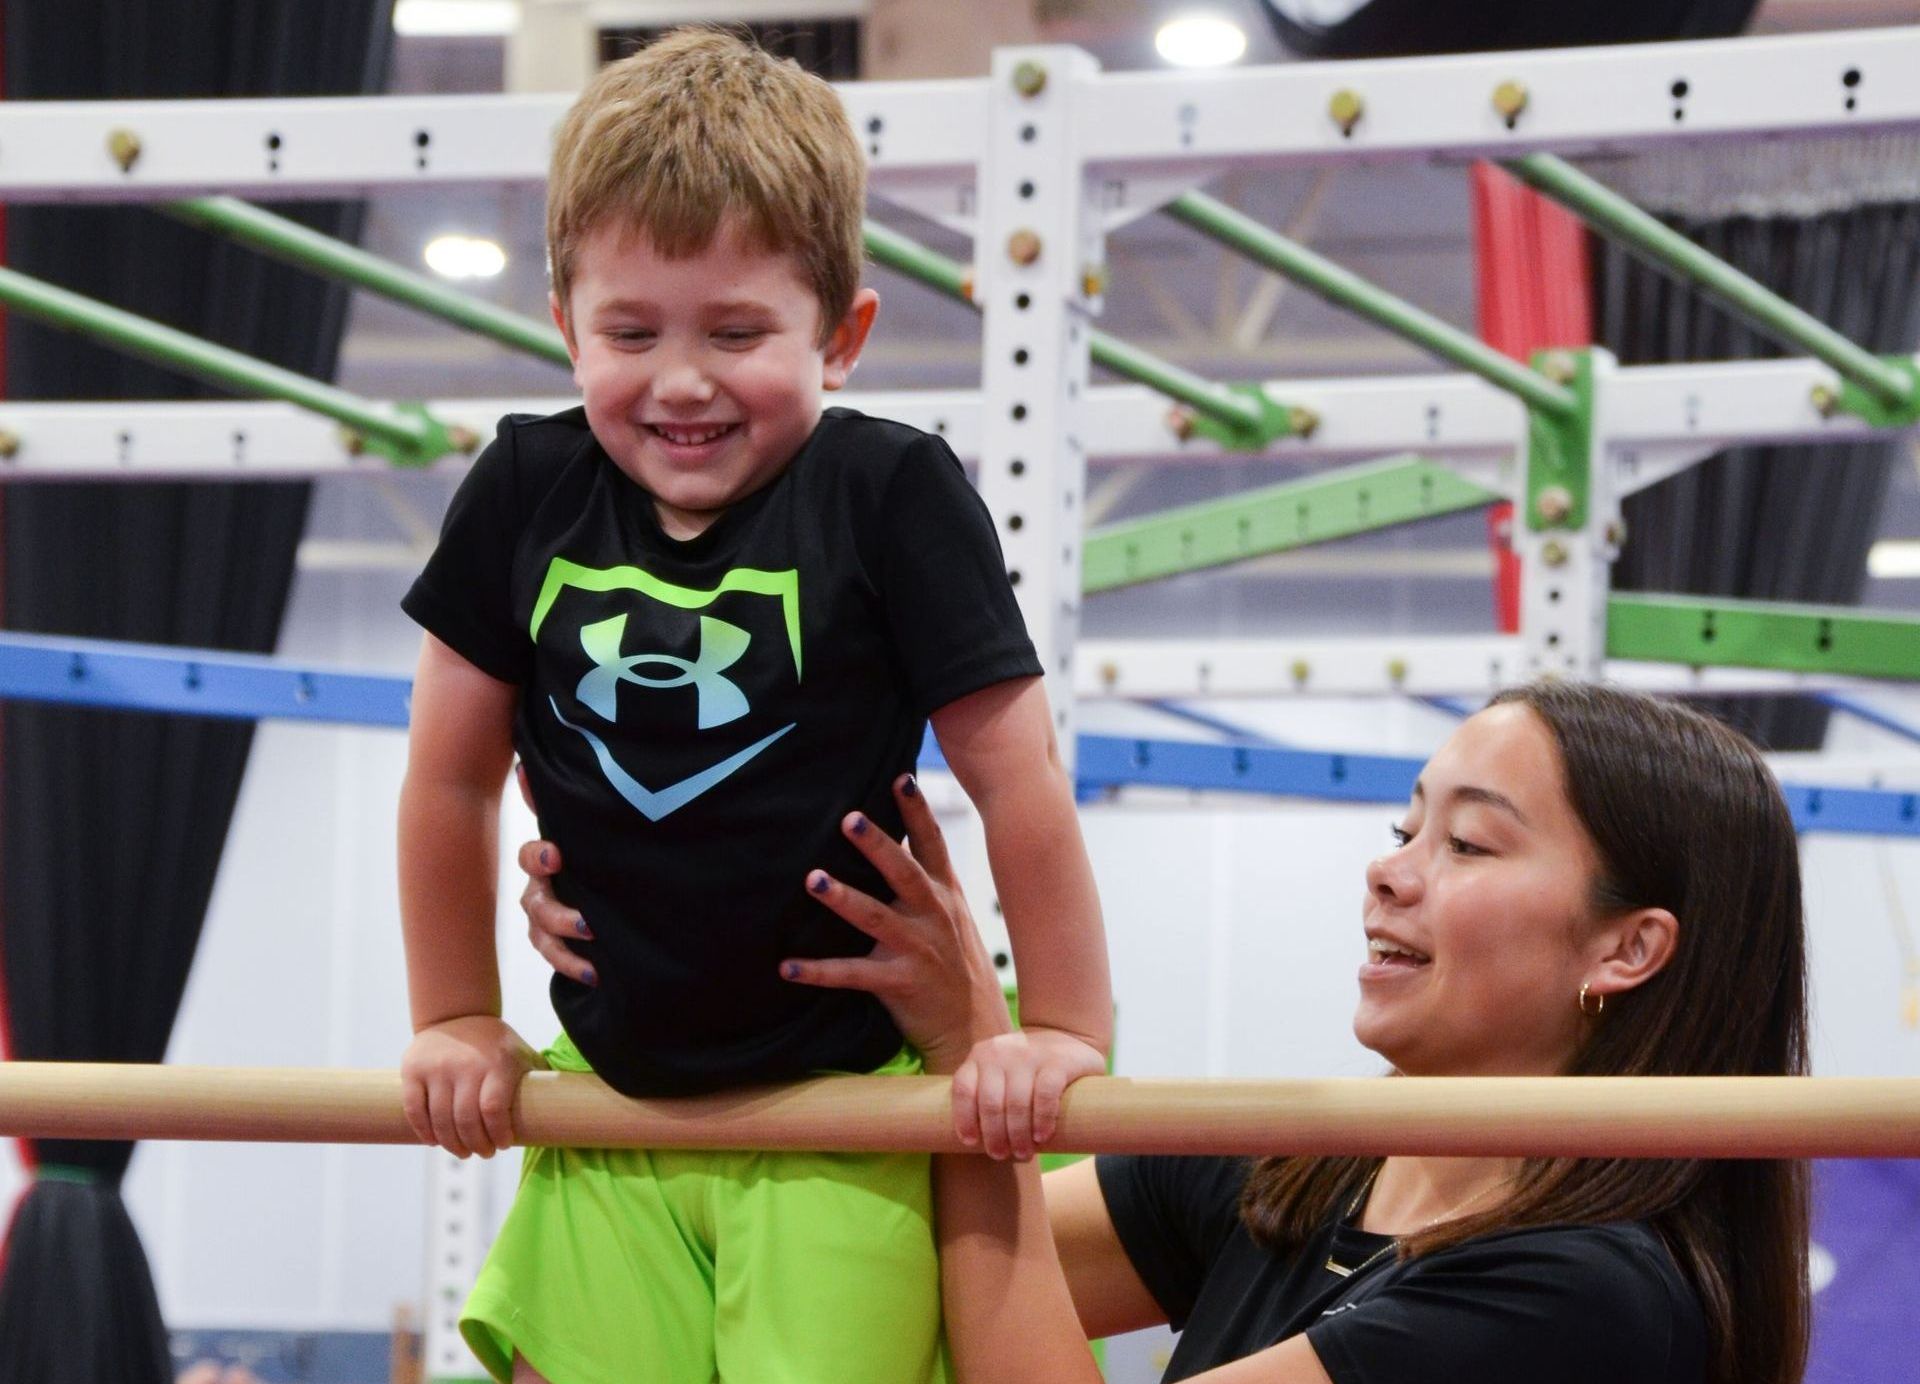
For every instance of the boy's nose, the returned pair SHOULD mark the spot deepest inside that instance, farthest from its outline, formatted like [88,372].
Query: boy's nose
[682,381]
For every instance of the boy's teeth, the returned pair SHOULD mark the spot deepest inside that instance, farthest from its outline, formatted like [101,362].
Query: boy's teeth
[691,437]
[1379,948]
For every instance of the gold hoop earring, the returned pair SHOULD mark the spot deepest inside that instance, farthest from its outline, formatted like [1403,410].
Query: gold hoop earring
[1599,1004]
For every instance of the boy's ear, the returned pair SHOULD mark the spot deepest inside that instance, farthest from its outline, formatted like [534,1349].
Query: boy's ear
[566,328]
[848,340]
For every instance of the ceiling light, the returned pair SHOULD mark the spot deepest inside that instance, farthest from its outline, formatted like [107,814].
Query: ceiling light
[1894,559]
[1200,40]
[464,257]
[456,18]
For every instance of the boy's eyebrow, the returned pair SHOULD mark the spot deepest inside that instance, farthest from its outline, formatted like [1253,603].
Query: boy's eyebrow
[1471,793]
[718,307]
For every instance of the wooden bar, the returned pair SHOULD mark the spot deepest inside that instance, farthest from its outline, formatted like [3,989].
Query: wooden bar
[1727,1117]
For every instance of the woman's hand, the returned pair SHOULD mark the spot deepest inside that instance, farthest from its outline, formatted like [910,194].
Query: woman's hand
[928,965]
[550,923]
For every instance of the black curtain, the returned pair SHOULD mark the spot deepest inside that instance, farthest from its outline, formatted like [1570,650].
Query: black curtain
[111,823]
[1766,523]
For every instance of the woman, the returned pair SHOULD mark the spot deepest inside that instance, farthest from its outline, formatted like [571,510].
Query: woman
[1586,881]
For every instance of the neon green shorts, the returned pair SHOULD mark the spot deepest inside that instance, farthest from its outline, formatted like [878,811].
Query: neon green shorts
[630,1266]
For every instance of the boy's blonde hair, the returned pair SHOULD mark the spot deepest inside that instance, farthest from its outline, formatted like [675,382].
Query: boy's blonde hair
[701,127]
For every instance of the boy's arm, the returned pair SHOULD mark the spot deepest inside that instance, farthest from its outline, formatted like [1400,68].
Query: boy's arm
[1000,744]
[464,1065]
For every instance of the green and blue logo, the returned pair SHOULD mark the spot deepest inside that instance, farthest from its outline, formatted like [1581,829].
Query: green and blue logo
[719,699]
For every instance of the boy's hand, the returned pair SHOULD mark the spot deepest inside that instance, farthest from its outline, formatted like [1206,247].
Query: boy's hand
[459,1078]
[1006,1097]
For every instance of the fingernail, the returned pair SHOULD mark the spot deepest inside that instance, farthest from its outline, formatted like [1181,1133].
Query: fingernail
[818,882]
[911,787]
[859,827]
[580,926]
[587,977]
[546,856]
[791,971]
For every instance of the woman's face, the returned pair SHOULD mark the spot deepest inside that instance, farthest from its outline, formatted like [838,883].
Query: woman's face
[1478,922]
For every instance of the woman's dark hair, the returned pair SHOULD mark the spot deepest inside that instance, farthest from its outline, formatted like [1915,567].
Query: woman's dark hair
[1684,815]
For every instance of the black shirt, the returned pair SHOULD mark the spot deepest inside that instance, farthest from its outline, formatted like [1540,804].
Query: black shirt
[697,715]
[1546,1305]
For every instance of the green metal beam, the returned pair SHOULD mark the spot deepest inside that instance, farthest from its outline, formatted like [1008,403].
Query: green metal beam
[1700,631]
[1560,449]
[1241,418]
[309,249]
[1640,231]
[1345,289]
[407,435]
[916,261]
[1297,514]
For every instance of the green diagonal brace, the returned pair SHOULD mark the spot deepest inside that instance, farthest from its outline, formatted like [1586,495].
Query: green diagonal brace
[1869,407]
[1348,291]
[1700,631]
[1239,416]
[323,254]
[1652,239]
[406,434]
[1254,523]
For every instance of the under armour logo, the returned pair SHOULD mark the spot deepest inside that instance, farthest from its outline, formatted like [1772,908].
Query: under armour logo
[721,646]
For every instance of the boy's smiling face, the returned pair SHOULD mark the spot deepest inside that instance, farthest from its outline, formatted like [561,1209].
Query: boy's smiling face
[702,375]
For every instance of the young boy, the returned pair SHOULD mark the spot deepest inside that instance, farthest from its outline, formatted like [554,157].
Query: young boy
[710,618]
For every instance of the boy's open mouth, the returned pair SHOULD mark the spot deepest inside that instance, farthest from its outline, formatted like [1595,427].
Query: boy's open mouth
[691,436]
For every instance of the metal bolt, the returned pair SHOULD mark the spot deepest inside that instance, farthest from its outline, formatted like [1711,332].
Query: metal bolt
[1554,504]
[1302,421]
[354,442]
[1510,98]
[1093,280]
[1826,400]
[463,440]
[967,286]
[124,145]
[1029,78]
[1023,246]
[1560,367]
[9,444]
[1181,422]
[1554,553]
[1397,670]
[1346,107]
[1300,671]
[1109,674]
[1616,533]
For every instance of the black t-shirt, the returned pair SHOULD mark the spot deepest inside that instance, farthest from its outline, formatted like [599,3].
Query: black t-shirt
[696,716]
[1568,1304]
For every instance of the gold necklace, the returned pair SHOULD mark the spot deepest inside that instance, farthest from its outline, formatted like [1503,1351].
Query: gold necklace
[1335,1267]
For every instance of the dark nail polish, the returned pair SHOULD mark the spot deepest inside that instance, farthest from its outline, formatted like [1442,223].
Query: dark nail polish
[546,859]
[911,787]
[859,826]
[791,971]
[580,926]
[587,977]
[818,884]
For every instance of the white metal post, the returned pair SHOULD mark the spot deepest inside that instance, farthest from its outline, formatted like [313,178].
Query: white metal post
[457,1231]
[1564,571]
[1038,268]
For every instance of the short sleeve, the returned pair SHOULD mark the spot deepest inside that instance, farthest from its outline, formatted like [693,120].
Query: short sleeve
[1173,1216]
[464,595]
[950,609]
[1577,1305]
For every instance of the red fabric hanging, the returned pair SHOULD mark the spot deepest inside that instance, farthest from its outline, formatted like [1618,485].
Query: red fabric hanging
[1530,270]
